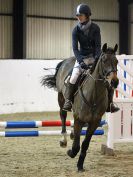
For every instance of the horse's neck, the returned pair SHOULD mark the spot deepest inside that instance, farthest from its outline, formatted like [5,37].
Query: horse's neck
[96,74]
[93,85]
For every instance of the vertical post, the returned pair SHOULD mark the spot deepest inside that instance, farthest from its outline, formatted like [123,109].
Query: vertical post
[123,27]
[19,29]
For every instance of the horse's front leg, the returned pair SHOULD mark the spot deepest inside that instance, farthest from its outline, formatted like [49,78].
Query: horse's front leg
[85,144]
[76,142]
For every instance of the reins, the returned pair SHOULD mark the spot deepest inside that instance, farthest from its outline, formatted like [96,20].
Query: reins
[80,88]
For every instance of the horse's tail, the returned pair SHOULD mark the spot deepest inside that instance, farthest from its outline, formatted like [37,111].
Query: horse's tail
[50,80]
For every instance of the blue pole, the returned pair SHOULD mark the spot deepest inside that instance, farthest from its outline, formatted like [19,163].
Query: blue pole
[24,124]
[97,132]
[103,122]
[21,133]
[36,133]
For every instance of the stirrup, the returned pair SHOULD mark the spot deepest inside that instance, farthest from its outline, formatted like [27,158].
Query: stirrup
[67,109]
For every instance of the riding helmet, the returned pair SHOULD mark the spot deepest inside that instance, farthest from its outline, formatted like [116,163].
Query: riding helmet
[83,9]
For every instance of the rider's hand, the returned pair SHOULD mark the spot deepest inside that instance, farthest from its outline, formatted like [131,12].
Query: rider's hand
[83,65]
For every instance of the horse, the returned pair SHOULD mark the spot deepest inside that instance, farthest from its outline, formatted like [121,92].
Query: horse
[90,100]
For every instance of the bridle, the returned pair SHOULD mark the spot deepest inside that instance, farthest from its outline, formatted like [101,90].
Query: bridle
[106,74]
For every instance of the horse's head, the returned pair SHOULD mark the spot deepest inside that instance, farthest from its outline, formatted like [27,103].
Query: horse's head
[108,63]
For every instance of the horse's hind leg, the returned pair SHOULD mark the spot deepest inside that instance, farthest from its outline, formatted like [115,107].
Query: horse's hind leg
[76,142]
[85,144]
[63,115]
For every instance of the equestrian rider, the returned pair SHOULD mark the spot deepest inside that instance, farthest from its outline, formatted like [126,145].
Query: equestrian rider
[87,35]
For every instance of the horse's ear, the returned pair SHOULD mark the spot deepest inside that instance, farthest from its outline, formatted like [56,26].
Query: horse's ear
[115,48]
[104,48]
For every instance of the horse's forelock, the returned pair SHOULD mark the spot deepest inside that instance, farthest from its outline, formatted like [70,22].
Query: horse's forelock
[110,50]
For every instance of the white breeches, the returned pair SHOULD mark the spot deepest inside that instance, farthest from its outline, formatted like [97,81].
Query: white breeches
[77,70]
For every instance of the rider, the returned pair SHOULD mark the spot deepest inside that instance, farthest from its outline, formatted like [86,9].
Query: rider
[87,35]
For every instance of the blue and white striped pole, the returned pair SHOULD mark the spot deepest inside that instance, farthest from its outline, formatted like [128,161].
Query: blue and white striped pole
[42,133]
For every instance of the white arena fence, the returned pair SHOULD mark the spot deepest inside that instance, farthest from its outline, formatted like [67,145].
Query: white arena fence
[20,88]
[125,75]
[120,124]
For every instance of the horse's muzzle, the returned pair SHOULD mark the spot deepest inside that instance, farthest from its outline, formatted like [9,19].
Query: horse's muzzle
[112,76]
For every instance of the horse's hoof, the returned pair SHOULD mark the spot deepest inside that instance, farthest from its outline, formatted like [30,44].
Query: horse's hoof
[70,153]
[63,144]
[81,169]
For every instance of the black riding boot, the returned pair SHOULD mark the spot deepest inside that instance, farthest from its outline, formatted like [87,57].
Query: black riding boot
[111,107]
[70,89]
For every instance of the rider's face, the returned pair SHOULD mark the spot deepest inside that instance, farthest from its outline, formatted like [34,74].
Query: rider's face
[82,18]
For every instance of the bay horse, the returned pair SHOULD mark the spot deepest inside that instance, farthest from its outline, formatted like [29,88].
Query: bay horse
[90,101]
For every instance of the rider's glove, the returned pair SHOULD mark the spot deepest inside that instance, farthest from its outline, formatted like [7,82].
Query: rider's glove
[83,65]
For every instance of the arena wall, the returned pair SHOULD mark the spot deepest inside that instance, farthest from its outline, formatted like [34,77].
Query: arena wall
[20,88]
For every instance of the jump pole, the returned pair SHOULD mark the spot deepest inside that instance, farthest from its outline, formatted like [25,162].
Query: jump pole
[36,124]
[42,133]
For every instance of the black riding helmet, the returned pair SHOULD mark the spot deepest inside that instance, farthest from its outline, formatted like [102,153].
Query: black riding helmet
[83,9]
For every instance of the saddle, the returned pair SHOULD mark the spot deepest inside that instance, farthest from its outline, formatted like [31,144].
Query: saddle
[79,80]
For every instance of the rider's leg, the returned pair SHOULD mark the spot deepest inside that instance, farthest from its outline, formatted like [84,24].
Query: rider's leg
[71,85]
[70,89]
[111,107]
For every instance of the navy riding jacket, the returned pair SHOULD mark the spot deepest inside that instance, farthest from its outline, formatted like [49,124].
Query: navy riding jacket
[90,44]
